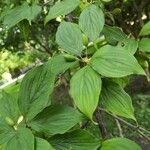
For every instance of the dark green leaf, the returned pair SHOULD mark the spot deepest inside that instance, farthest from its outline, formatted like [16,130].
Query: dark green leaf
[85,90]
[69,37]
[55,119]
[145,29]
[92,21]
[119,144]
[19,13]
[22,139]
[113,34]
[24,27]
[6,131]
[55,62]
[110,61]
[63,7]
[121,81]
[116,100]
[9,107]
[144,45]
[35,89]
[75,140]
[42,144]
[129,45]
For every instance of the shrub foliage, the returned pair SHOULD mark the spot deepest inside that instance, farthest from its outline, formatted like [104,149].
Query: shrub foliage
[94,58]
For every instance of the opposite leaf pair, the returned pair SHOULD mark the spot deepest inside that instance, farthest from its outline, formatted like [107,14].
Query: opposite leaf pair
[69,35]
[109,62]
[34,93]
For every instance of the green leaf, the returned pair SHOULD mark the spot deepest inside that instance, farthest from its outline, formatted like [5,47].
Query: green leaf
[55,119]
[121,81]
[42,144]
[92,21]
[75,140]
[145,29]
[24,28]
[9,107]
[129,45]
[34,92]
[119,144]
[116,100]
[69,37]
[110,61]
[85,87]
[54,64]
[22,139]
[12,88]
[144,45]
[63,7]
[114,34]
[19,13]
[6,131]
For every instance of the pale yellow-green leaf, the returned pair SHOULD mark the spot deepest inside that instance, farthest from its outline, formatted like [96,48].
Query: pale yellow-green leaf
[85,87]
[110,61]
[92,21]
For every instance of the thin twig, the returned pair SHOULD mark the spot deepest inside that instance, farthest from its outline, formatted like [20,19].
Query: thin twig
[101,123]
[144,130]
[139,129]
[119,128]
[142,134]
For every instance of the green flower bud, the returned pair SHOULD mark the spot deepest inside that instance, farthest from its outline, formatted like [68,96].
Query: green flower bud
[9,121]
